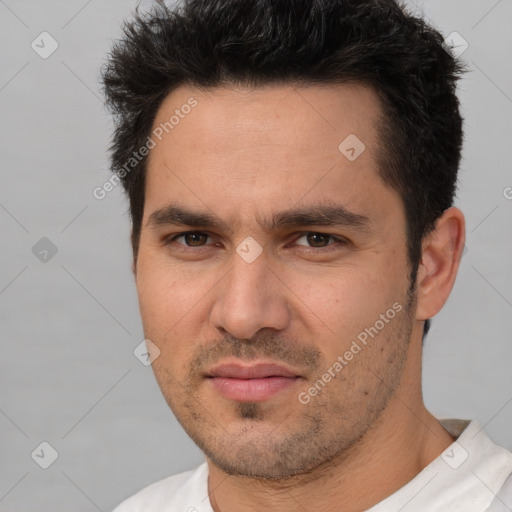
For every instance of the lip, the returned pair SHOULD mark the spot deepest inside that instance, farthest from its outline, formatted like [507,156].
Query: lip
[255,371]
[255,383]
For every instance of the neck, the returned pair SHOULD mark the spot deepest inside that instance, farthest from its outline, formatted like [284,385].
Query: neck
[403,441]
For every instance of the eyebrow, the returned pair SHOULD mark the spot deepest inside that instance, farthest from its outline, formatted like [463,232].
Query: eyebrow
[327,215]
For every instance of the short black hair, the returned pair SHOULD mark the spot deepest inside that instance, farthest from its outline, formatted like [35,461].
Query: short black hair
[378,43]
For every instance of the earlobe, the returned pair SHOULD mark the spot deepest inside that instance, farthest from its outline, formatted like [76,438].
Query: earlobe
[441,253]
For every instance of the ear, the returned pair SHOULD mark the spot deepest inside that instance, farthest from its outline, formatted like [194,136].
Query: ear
[441,254]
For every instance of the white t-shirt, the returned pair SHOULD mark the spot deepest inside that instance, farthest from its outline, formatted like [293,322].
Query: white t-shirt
[466,477]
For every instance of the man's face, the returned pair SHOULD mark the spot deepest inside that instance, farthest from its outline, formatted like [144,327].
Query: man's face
[248,328]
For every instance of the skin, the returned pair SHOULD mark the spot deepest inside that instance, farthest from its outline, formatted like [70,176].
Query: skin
[244,155]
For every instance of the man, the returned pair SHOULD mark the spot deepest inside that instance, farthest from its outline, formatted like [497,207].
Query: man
[291,168]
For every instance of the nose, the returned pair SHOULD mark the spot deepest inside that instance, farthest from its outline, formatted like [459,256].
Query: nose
[250,298]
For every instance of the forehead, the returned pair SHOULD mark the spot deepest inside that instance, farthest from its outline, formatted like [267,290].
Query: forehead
[240,150]
[294,116]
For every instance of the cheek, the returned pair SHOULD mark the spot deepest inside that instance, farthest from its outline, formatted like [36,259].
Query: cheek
[345,302]
[166,301]
[346,296]
[166,292]
[162,305]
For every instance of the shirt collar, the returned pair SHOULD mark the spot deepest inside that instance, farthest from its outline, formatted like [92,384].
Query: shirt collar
[466,476]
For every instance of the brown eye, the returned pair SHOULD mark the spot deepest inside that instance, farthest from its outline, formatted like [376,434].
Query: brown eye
[316,240]
[195,239]
[191,239]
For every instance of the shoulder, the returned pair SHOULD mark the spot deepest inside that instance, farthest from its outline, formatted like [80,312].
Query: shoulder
[503,500]
[187,492]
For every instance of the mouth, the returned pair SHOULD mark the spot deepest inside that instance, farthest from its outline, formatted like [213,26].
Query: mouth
[254,383]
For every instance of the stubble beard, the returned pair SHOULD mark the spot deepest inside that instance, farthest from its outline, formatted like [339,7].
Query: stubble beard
[309,438]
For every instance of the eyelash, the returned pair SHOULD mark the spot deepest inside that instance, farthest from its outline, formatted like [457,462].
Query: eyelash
[338,240]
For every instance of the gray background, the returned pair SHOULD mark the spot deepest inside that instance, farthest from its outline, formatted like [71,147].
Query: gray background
[70,324]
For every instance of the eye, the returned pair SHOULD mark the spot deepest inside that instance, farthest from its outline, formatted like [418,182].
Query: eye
[310,239]
[191,238]
[319,240]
